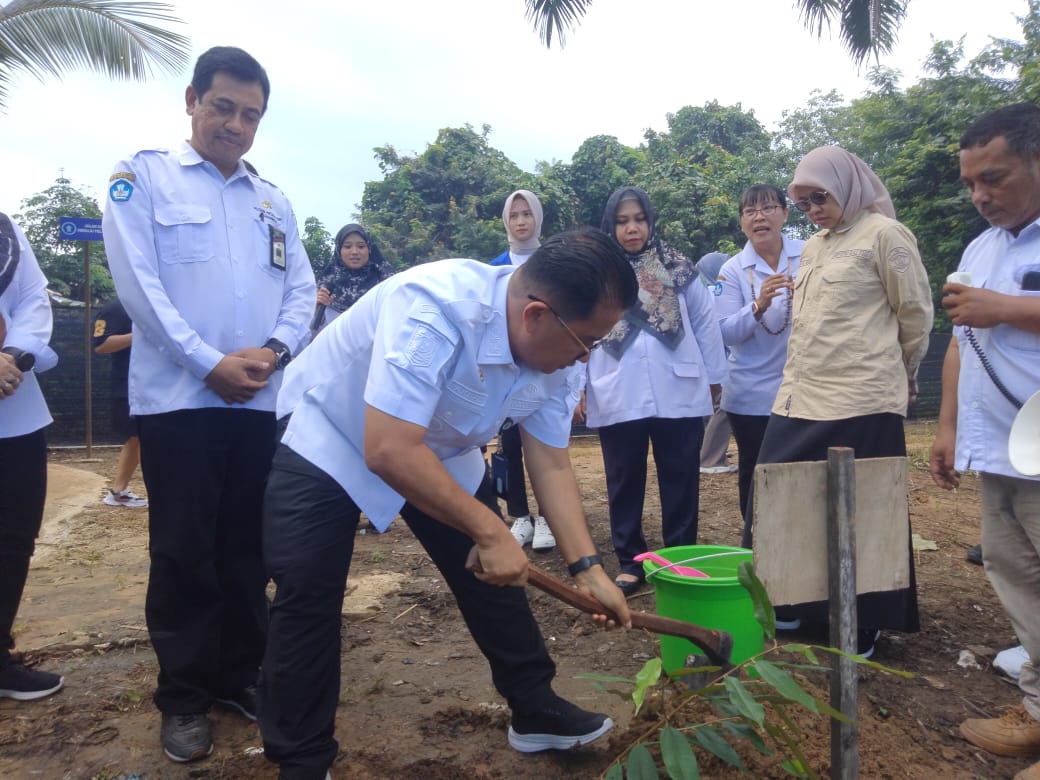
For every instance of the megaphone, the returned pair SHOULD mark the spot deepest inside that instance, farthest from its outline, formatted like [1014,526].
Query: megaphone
[1024,441]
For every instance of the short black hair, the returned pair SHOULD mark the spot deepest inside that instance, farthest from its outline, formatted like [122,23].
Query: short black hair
[578,270]
[762,193]
[1018,123]
[233,61]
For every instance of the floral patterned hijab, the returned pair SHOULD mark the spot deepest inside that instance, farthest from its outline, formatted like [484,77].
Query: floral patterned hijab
[662,272]
[347,284]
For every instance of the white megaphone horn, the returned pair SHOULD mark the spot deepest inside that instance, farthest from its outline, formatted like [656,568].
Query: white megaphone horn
[1024,441]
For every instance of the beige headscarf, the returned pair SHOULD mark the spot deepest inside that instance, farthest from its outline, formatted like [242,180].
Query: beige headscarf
[527,246]
[847,178]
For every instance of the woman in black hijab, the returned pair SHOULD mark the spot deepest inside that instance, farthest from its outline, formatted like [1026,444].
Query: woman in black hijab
[356,266]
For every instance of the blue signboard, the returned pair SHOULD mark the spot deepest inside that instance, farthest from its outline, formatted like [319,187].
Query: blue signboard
[80,229]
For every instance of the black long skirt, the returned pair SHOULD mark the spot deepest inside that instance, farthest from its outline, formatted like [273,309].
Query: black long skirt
[789,440]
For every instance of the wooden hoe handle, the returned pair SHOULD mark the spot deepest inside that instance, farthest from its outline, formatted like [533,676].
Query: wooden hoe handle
[717,645]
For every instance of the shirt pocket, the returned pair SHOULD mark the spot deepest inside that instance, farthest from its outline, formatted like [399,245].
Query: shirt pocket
[845,279]
[1016,338]
[184,232]
[686,370]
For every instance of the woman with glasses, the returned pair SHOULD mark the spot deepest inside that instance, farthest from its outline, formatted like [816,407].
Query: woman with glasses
[356,266]
[753,303]
[862,311]
[650,383]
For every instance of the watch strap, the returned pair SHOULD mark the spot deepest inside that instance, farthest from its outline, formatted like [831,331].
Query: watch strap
[583,563]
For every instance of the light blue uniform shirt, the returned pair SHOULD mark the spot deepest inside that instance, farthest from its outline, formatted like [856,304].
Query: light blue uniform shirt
[26,310]
[190,253]
[651,380]
[430,346]
[756,357]
[996,260]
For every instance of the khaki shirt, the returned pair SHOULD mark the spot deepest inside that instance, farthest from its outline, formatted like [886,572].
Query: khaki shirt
[862,314]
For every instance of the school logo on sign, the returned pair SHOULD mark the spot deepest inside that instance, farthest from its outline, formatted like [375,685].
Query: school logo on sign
[121,191]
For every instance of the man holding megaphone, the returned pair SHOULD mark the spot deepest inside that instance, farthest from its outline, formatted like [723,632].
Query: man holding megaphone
[992,365]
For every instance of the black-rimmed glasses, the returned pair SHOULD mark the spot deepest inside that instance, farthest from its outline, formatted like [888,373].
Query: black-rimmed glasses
[817,198]
[767,210]
[585,348]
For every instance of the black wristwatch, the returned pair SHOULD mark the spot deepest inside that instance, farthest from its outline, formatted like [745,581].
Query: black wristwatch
[282,355]
[23,361]
[586,562]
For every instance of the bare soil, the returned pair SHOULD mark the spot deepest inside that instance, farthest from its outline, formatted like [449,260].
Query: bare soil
[417,700]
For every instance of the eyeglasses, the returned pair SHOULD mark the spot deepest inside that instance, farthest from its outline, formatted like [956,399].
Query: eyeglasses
[585,348]
[766,210]
[817,198]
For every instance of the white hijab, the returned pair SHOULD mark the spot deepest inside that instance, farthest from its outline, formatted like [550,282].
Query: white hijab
[528,245]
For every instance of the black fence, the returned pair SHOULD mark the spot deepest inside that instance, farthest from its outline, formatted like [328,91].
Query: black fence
[65,385]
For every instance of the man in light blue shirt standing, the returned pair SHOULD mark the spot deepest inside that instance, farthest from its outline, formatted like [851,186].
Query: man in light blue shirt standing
[993,363]
[208,262]
[389,407]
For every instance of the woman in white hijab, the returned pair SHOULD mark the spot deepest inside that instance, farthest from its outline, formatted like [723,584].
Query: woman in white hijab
[522,216]
[862,311]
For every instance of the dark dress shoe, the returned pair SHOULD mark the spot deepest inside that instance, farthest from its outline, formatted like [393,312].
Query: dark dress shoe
[628,587]
[974,555]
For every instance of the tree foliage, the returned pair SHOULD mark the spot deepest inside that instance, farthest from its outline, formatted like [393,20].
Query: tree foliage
[318,243]
[113,37]
[62,261]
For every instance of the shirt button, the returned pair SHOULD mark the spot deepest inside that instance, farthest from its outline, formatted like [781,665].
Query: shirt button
[447,415]
[974,404]
[239,333]
[485,314]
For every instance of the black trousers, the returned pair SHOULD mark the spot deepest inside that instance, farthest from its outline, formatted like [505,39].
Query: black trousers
[23,464]
[205,471]
[677,448]
[309,528]
[512,449]
[748,430]
[790,440]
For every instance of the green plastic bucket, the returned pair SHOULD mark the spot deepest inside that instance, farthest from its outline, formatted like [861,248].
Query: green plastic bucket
[718,601]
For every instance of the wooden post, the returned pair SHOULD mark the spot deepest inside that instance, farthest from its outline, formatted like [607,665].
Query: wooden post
[841,570]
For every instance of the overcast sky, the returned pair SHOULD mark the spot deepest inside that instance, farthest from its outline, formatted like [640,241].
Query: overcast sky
[349,76]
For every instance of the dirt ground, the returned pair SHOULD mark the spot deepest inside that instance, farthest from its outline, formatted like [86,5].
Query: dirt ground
[417,700]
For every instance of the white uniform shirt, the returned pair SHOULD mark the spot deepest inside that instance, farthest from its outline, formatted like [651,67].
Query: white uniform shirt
[430,346]
[996,260]
[651,380]
[26,310]
[756,356]
[191,256]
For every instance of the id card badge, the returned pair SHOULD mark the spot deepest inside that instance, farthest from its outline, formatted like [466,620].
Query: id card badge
[277,247]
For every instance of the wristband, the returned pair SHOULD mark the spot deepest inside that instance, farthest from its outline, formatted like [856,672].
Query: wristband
[587,562]
[755,310]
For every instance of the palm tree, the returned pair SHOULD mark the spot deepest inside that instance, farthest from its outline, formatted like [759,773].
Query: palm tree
[868,27]
[117,38]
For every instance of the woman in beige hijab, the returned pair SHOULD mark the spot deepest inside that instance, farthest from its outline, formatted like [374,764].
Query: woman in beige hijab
[862,311]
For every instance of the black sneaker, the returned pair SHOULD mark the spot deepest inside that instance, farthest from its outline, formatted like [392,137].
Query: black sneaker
[974,555]
[559,725]
[186,737]
[243,702]
[25,684]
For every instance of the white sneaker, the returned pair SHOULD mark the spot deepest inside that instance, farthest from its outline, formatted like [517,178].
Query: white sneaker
[523,530]
[543,536]
[718,469]
[1010,661]
[124,498]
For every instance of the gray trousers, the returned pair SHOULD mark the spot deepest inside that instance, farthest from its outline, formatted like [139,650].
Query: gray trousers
[1011,552]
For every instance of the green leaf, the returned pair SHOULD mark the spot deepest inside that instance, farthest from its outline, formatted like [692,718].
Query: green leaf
[712,741]
[677,755]
[748,732]
[641,765]
[744,701]
[784,684]
[646,679]
[603,678]
[805,650]
[616,772]
[793,767]
[764,613]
